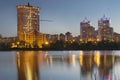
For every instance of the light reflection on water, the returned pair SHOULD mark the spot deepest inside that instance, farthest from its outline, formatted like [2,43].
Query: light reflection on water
[60,65]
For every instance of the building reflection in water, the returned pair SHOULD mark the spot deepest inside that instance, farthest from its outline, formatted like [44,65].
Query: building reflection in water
[106,65]
[94,65]
[86,64]
[53,59]
[116,68]
[27,65]
[30,62]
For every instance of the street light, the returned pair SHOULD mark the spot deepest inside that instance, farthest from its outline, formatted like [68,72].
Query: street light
[46,42]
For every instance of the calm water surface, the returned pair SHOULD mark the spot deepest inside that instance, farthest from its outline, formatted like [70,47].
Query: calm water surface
[60,65]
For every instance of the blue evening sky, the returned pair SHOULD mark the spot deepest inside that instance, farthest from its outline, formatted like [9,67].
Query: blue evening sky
[66,14]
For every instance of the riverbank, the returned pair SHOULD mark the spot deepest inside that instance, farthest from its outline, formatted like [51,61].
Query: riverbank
[40,49]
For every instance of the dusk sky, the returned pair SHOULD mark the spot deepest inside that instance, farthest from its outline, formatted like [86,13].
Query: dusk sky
[66,15]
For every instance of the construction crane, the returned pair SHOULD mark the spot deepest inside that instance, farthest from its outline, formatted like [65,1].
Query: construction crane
[46,20]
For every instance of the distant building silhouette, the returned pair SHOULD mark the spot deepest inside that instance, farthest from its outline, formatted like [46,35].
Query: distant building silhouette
[68,36]
[87,32]
[116,37]
[105,32]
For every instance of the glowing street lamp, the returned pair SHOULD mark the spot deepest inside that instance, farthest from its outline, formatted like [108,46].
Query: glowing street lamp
[46,42]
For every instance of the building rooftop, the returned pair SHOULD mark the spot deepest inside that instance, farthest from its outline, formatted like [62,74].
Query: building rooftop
[85,20]
[28,5]
[104,18]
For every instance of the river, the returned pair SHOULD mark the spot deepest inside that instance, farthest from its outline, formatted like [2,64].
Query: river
[60,65]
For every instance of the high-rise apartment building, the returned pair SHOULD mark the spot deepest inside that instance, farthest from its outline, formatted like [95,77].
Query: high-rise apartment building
[87,32]
[28,24]
[105,32]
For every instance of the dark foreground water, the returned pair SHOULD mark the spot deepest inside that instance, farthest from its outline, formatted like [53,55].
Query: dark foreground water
[60,65]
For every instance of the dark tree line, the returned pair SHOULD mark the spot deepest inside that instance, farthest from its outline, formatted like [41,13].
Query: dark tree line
[65,45]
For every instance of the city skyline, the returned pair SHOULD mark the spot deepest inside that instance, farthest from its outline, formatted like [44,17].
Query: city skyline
[65,15]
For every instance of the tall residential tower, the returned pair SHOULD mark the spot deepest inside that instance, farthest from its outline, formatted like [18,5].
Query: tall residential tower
[87,32]
[105,32]
[28,23]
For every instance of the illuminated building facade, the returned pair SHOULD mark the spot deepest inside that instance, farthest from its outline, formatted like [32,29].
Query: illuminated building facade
[87,32]
[28,23]
[41,39]
[105,32]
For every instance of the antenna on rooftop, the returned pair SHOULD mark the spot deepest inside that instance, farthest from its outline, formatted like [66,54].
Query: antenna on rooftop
[28,4]
[104,16]
[86,20]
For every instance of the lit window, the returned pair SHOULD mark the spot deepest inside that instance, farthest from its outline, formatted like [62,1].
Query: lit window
[83,31]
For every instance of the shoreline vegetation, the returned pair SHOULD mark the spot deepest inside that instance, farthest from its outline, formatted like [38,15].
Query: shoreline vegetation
[61,45]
